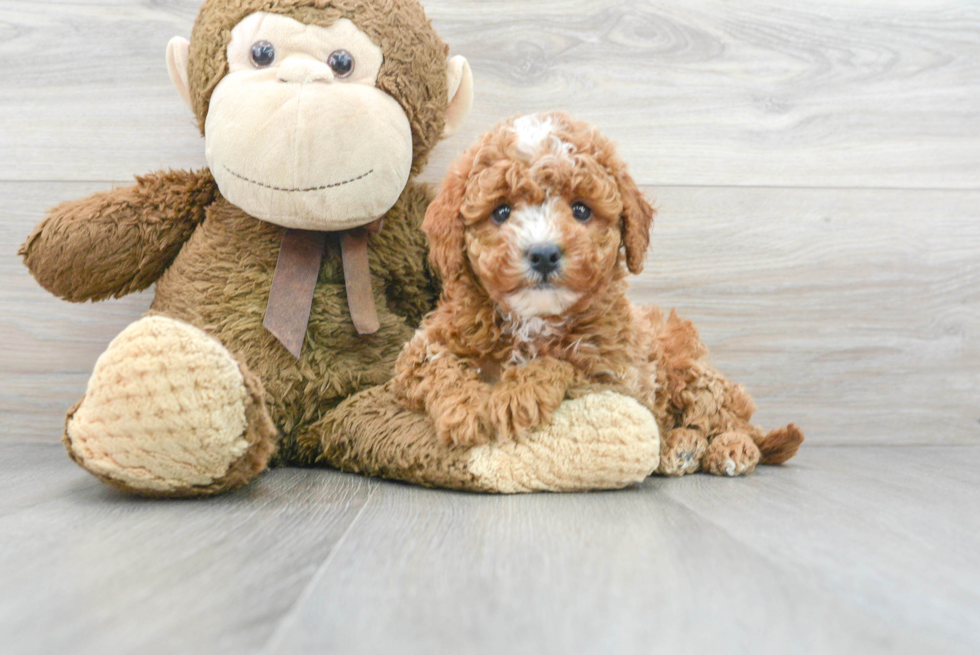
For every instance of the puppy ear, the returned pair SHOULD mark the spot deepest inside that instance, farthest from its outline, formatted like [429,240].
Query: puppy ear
[638,216]
[444,225]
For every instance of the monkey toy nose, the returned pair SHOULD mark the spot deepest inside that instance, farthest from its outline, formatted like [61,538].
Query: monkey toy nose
[545,259]
[298,70]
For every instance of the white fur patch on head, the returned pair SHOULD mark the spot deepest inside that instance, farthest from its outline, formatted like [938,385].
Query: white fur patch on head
[531,132]
[530,303]
[535,132]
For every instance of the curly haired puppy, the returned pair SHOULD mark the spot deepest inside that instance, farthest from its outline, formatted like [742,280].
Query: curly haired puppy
[534,233]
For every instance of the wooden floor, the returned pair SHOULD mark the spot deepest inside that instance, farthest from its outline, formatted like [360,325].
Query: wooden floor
[848,550]
[817,169]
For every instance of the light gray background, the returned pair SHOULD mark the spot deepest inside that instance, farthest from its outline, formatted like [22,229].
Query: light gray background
[816,166]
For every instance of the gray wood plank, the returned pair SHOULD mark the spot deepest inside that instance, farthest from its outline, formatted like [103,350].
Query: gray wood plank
[847,550]
[35,473]
[639,571]
[48,346]
[855,313]
[792,92]
[88,570]
[893,530]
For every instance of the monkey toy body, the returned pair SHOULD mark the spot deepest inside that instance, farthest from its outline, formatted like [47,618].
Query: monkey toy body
[317,116]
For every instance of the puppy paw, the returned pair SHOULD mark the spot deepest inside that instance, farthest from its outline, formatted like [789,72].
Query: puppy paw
[514,410]
[681,452]
[731,454]
[465,423]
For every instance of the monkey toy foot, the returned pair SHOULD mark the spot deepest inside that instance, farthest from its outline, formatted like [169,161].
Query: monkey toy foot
[595,442]
[170,412]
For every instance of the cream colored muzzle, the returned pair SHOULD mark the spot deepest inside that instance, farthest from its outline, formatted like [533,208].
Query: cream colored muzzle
[295,147]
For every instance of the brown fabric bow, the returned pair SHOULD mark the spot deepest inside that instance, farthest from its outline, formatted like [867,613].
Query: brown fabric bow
[294,282]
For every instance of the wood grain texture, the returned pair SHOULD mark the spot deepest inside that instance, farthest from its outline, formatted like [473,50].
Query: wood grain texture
[705,92]
[854,313]
[48,347]
[88,570]
[838,553]
[893,530]
[846,550]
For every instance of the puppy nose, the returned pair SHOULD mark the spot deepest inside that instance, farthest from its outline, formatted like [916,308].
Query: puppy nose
[544,259]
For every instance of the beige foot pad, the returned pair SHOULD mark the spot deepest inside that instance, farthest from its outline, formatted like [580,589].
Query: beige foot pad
[599,441]
[170,412]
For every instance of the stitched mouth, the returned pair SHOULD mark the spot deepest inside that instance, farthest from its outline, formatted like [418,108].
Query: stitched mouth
[315,188]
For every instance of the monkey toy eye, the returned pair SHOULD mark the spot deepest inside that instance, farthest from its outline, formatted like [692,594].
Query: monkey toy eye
[581,212]
[501,214]
[341,63]
[263,54]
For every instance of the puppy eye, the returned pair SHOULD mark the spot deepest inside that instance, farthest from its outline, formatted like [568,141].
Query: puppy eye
[501,214]
[263,54]
[581,212]
[341,63]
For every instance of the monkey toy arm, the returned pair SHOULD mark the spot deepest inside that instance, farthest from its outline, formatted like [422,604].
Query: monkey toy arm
[117,242]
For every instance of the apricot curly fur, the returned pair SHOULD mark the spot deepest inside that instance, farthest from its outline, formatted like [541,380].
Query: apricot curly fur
[484,373]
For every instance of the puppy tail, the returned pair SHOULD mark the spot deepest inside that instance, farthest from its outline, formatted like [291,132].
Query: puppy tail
[780,445]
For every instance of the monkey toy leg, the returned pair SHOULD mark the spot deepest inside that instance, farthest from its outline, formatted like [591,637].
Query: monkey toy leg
[597,441]
[170,412]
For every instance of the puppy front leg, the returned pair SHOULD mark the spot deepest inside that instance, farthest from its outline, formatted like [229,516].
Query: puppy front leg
[460,410]
[527,396]
[432,380]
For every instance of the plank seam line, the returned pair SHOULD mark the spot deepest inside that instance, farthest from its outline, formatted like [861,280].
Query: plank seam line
[289,618]
[648,185]
[973,444]
[800,187]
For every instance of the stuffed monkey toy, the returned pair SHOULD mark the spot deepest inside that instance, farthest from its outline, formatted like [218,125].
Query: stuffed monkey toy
[291,272]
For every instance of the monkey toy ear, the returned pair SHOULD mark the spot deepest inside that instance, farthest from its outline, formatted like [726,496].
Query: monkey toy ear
[460,94]
[178,57]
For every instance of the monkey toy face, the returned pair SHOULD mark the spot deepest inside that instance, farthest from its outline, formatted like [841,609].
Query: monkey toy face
[298,133]
[309,124]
